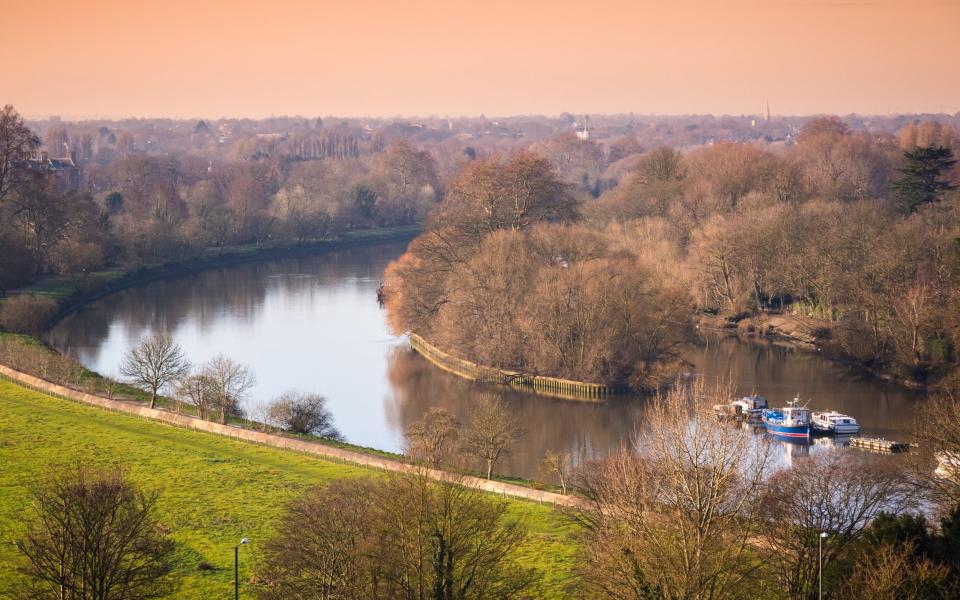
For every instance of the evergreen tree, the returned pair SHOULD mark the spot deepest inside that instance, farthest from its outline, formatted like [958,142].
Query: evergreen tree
[922,179]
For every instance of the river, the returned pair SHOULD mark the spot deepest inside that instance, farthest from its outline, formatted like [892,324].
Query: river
[313,324]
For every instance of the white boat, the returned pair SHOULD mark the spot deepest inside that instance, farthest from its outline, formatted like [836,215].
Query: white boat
[835,423]
[746,408]
[750,406]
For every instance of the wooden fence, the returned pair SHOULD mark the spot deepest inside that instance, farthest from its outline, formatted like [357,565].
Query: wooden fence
[549,386]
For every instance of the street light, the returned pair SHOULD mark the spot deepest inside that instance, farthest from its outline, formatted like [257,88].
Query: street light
[236,568]
[823,536]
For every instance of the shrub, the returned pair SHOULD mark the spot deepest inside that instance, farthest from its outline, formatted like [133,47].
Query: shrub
[26,314]
[304,414]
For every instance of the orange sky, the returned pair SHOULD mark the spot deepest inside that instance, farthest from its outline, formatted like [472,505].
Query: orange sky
[433,57]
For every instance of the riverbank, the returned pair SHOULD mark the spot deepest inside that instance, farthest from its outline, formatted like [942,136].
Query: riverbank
[71,294]
[30,363]
[806,334]
[214,489]
[277,440]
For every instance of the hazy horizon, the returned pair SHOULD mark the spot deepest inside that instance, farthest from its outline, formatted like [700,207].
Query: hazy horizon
[116,60]
[84,118]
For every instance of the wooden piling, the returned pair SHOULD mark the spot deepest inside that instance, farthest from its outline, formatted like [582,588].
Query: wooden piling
[879,445]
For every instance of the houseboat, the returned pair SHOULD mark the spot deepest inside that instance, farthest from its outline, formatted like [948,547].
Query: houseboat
[748,408]
[791,422]
[834,423]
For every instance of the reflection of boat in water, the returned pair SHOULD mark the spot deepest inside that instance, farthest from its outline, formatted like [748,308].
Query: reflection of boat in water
[948,465]
[833,441]
[832,422]
[793,450]
[748,408]
[790,423]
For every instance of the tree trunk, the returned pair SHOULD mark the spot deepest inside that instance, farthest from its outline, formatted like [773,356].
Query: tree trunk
[489,469]
[153,399]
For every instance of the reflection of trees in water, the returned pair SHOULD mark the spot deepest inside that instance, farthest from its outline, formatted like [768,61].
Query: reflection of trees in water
[203,298]
[164,305]
[780,373]
[585,429]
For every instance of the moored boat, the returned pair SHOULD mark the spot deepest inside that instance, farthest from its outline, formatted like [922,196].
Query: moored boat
[751,407]
[834,423]
[791,422]
[748,408]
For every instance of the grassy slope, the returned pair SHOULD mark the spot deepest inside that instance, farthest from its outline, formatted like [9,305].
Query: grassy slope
[214,490]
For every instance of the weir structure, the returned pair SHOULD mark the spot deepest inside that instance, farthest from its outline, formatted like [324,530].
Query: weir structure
[538,384]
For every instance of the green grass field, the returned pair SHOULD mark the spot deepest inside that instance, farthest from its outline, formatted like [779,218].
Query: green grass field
[213,490]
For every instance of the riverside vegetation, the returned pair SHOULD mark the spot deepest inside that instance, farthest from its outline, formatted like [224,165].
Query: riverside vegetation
[735,529]
[854,237]
[615,242]
[211,491]
[549,259]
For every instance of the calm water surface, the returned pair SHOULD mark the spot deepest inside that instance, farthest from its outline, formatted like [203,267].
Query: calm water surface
[313,324]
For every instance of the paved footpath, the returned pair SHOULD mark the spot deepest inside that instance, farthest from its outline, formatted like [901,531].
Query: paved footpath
[280,441]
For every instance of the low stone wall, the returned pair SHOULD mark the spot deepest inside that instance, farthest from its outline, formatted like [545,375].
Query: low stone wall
[280,441]
[547,386]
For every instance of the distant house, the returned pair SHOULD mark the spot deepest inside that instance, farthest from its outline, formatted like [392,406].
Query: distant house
[63,171]
[583,133]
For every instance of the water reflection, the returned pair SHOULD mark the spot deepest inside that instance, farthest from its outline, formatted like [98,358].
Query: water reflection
[586,430]
[781,373]
[313,324]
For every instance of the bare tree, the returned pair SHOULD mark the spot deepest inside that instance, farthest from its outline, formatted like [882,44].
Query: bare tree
[229,383]
[197,389]
[890,571]
[259,413]
[304,413]
[17,141]
[397,537]
[557,464]
[431,438]
[938,434]
[154,363]
[93,537]
[673,518]
[835,493]
[324,544]
[490,433]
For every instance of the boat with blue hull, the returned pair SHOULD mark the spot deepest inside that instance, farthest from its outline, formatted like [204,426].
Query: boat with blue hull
[790,423]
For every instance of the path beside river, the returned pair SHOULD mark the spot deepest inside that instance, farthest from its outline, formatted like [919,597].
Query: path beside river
[284,442]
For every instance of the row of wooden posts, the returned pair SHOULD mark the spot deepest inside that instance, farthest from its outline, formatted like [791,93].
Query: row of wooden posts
[551,386]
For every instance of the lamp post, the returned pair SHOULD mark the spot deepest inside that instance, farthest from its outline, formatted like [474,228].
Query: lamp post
[236,568]
[823,536]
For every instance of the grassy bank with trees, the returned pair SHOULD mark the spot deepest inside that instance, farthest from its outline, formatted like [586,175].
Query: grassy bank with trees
[32,308]
[213,491]
[737,526]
